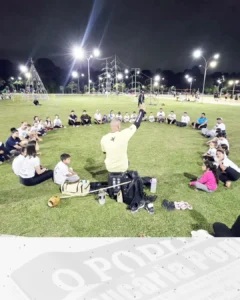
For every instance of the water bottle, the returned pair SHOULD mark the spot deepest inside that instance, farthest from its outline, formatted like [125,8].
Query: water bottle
[153,185]
[101,197]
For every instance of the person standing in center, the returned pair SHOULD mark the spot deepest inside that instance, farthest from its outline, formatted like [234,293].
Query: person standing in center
[141,98]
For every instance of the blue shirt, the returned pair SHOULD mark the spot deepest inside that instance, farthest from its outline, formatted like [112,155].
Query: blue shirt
[11,142]
[202,120]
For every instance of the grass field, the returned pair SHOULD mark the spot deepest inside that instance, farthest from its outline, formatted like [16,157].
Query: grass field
[161,151]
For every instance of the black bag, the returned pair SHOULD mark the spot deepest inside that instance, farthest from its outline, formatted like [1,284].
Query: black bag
[132,192]
[36,102]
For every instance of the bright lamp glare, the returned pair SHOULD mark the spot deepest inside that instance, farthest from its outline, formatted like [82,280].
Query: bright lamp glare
[23,69]
[138,72]
[96,52]
[90,81]
[75,74]
[216,56]
[12,78]
[82,75]
[186,76]
[120,76]
[197,53]
[108,75]
[78,53]
[155,83]
[28,75]
[230,82]
[190,79]
[237,81]
[126,76]
[100,78]
[126,71]
[19,78]
[157,78]
[213,64]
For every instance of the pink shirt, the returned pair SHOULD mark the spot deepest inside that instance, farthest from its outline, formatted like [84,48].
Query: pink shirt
[208,179]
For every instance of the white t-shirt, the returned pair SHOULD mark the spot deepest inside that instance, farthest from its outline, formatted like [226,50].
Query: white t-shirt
[57,122]
[212,152]
[98,117]
[185,119]
[161,114]
[220,126]
[34,129]
[22,133]
[28,166]
[172,117]
[223,141]
[119,117]
[133,118]
[228,163]
[60,173]
[151,119]
[115,145]
[126,118]
[17,164]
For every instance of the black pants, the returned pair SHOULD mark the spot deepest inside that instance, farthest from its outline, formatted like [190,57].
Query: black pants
[197,126]
[86,122]
[37,179]
[169,121]
[229,175]
[72,123]
[5,155]
[181,124]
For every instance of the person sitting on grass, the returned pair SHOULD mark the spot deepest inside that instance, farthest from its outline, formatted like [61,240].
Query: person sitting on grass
[228,170]
[111,115]
[37,129]
[222,140]
[4,154]
[161,116]
[14,144]
[224,147]
[41,127]
[73,120]
[48,124]
[31,172]
[133,117]
[209,181]
[126,118]
[201,122]
[220,127]
[171,119]
[57,123]
[22,130]
[185,120]
[97,117]
[62,172]
[105,119]
[119,116]
[212,152]
[18,161]
[86,119]
[151,118]
[35,119]
[36,145]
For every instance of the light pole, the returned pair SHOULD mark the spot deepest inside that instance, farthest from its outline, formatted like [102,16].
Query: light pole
[233,83]
[209,63]
[190,80]
[136,72]
[76,75]
[79,53]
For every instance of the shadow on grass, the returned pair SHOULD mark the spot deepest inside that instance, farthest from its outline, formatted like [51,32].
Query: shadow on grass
[201,221]
[190,176]
[93,168]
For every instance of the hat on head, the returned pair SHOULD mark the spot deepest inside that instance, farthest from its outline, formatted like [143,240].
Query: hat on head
[220,119]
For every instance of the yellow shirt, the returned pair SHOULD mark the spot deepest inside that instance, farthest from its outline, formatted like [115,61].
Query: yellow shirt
[115,145]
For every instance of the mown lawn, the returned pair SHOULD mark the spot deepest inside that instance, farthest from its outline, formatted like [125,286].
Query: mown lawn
[162,151]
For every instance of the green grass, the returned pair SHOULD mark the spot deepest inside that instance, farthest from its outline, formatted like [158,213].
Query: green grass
[161,151]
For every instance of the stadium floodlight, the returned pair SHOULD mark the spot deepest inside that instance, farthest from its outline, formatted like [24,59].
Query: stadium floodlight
[186,76]
[157,78]
[233,83]
[23,68]
[219,81]
[28,75]
[209,63]
[75,74]
[143,86]
[108,75]
[82,75]
[138,72]
[90,81]
[100,78]
[236,81]
[213,63]
[230,82]
[197,53]
[126,71]
[126,76]
[78,53]
[155,83]
[190,79]
[12,78]
[163,78]
[96,52]
[19,78]
[216,56]
[119,76]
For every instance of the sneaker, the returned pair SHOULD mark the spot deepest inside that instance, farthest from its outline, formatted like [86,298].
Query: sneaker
[135,208]
[149,198]
[149,208]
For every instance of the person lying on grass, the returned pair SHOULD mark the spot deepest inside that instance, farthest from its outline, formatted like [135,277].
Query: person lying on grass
[229,171]
[209,181]
[62,172]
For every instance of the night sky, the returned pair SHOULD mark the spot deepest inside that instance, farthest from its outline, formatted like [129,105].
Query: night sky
[145,33]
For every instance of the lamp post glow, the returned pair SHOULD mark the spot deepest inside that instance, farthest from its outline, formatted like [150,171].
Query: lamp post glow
[233,83]
[78,53]
[126,71]
[190,80]
[23,68]
[96,53]
[209,63]
[157,78]
[120,76]
[76,75]
[19,78]
[28,75]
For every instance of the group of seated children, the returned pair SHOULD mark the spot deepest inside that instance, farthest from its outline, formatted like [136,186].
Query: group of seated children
[216,164]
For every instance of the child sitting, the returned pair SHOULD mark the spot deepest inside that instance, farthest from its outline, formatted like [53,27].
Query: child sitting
[126,118]
[133,117]
[119,116]
[57,123]
[211,154]
[48,124]
[62,172]
[104,119]
[151,118]
[209,181]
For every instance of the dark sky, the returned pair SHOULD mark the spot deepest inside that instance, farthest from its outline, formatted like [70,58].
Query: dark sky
[143,33]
